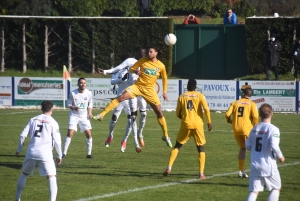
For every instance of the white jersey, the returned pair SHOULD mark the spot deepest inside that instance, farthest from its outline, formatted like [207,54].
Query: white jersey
[82,101]
[44,134]
[263,142]
[119,72]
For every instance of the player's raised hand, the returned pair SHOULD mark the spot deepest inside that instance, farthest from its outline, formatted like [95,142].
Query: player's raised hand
[100,70]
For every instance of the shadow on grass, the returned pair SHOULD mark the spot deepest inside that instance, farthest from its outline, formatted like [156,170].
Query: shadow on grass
[16,166]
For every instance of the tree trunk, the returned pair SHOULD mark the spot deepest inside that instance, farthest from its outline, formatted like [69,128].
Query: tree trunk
[93,51]
[46,48]
[24,49]
[70,50]
[2,48]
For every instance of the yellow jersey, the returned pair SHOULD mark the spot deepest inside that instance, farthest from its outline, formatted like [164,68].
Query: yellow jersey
[150,71]
[242,114]
[190,106]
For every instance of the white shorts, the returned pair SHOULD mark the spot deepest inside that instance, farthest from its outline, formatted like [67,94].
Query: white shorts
[257,183]
[124,105]
[138,103]
[45,167]
[83,123]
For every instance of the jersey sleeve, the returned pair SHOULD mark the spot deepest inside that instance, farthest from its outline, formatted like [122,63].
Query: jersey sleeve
[164,80]
[90,104]
[178,108]
[136,65]
[124,64]
[205,108]
[228,113]
[57,139]
[254,113]
[274,141]
[23,136]
[70,100]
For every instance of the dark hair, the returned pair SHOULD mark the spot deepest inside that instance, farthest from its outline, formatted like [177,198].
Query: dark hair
[192,84]
[265,110]
[82,78]
[46,106]
[153,47]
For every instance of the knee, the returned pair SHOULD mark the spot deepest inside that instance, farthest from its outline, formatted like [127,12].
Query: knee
[134,113]
[200,149]
[114,117]
[143,113]
[177,145]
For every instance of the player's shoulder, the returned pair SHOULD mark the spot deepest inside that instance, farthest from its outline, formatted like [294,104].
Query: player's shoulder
[160,64]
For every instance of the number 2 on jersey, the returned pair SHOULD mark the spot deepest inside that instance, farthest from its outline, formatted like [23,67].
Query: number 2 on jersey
[38,131]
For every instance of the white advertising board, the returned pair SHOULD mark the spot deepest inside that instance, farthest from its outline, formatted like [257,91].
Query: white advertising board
[34,90]
[219,94]
[5,91]
[281,95]
[172,93]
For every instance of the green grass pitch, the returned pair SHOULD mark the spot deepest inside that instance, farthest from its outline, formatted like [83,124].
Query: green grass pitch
[113,175]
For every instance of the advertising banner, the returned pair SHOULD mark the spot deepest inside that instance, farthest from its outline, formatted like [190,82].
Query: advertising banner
[172,93]
[34,90]
[219,94]
[5,91]
[281,95]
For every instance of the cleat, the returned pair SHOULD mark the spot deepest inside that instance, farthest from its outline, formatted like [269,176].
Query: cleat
[138,149]
[89,156]
[107,142]
[123,146]
[141,140]
[99,117]
[167,140]
[202,177]
[167,172]
[63,156]
[242,175]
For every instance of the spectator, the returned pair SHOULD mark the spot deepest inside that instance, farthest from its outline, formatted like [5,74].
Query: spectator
[272,48]
[144,7]
[229,17]
[296,57]
[191,19]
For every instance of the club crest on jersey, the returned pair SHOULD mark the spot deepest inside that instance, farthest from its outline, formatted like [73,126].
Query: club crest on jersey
[276,135]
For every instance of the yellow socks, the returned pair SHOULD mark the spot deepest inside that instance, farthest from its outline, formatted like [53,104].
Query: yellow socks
[163,124]
[201,160]
[241,165]
[173,156]
[112,105]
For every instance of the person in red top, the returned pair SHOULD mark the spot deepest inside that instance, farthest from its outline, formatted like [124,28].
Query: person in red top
[191,19]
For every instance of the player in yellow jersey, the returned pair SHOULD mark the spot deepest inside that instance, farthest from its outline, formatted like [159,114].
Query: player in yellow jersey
[242,114]
[190,106]
[148,69]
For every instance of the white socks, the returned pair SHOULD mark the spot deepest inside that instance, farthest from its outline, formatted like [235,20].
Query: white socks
[127,130]
[274,195]
[67,143]
[20,185]
[52,188]
[251,197]
[112,125]
[142,123]
[89,145]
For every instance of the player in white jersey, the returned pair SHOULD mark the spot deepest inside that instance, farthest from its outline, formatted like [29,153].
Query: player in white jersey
[80,102]
[122,77]
[44,134]
[263,142]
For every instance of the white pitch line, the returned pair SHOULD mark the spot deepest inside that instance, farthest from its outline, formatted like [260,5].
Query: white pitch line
[167,184]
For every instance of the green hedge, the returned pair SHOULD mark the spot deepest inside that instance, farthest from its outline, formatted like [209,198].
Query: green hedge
[256,31]
[117,36]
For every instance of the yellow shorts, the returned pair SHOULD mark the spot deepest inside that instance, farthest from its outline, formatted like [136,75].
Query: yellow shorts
[149,94]
[184,135]
[241,140]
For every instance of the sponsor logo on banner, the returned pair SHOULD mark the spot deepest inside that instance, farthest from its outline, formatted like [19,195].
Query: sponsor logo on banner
[26,85]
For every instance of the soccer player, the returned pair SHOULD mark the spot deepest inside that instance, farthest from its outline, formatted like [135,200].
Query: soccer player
[263,142]
[189,110]
[148,69]
[241,114]
[44,134]
[80,103]
[122,77]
